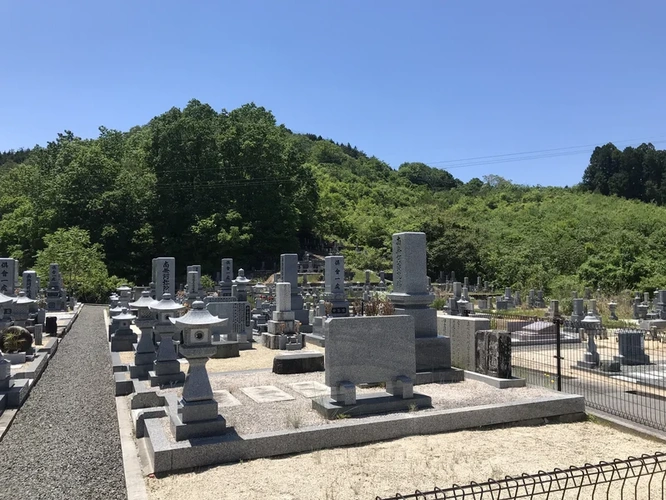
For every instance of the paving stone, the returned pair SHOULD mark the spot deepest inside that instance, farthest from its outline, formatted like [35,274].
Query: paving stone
[310,389]
[266,394]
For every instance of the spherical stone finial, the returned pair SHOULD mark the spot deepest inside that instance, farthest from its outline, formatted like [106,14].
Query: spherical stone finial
[145,293]
[198,304]
[166,296]
[241,273]
[124,310]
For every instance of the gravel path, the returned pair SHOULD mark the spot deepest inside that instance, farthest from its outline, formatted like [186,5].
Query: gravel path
[64,442]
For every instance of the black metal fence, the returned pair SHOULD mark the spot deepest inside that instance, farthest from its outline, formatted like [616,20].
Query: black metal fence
[635,478]
[619,371]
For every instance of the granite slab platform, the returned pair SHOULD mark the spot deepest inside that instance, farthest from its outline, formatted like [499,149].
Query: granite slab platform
[167,455]
[32,369]
[370,404]
[498,383]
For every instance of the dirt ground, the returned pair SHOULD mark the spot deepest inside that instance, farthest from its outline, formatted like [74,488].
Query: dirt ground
[404,465]
[251,359]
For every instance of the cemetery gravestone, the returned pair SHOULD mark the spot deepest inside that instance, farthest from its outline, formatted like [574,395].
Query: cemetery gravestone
[370,350]
[493,353]
[411,297]
[8,269]
[30,284]
[165,277]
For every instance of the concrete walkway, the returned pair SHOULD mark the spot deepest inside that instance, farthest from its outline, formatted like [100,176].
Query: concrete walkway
[64,441]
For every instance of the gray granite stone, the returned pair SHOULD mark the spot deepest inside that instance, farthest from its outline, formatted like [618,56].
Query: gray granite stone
[498,383]
[461,330]
[493,353]
[167,455]
[310,389]
[298,362]
[226,349]
[164,276]
[289,269]
[409,264]
[433,353]
[225,399]
[124,384]
[369,349]
[370,404]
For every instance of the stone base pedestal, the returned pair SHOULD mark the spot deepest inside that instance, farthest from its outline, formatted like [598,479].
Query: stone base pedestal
[226,349]
[371,404]
[17,393]
[122,341]
[433,353]
[283,342]
[195,420]
[425,319]
[166,373]
[439,376]
[591,360]
[140,371]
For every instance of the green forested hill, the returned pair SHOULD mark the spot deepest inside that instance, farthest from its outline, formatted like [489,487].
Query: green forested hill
[199,185]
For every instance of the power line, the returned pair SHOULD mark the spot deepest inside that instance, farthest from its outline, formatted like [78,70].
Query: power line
[529,155]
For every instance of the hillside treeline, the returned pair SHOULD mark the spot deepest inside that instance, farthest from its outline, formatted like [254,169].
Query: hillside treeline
[199,184]
[633,173]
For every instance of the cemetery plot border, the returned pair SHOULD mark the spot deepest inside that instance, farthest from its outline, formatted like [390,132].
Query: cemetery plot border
[621,372]
[633,478]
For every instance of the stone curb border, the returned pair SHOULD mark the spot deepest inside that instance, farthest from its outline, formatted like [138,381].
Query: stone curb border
[165,455]
[8,414]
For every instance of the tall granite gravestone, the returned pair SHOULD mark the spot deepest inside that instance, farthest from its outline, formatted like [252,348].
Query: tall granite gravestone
[227,277]
[493,353]
[30,285]
[578,311]
[334,285]
[55,296]
[8,270]
[193,284]
[164,276]
[411,297]
[289,274]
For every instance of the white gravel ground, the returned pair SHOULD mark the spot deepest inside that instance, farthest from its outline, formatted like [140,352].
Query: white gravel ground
[251,417]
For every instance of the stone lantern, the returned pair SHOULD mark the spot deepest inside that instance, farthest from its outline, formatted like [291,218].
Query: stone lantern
[21,309]
[197,414]
[125,295]
[113,300]
[241,286]
[123,338]
[166,365]
[145,350]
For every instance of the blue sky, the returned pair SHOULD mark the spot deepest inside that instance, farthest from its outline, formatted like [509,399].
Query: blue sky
[434,81]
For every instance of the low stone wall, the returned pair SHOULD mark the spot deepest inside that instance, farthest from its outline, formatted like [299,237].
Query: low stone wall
[462,330]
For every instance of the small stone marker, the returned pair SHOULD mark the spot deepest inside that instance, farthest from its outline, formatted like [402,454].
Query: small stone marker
[225,399]
[310,389]
[266,394]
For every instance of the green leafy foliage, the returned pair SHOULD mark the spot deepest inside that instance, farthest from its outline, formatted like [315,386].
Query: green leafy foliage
[200,184]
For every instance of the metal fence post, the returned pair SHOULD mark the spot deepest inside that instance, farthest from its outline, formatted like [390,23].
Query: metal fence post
[558,351]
